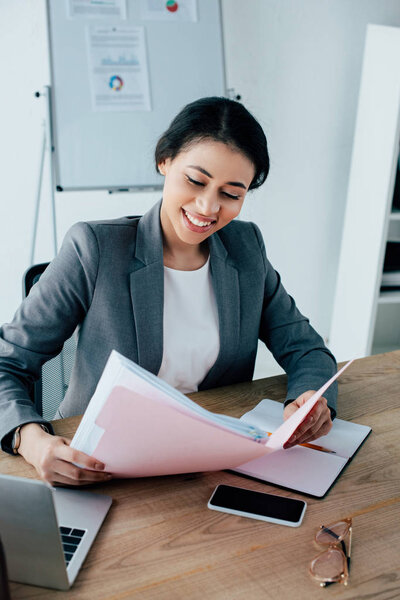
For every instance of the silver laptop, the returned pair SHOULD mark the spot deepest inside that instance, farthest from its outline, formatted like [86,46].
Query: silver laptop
[47,532]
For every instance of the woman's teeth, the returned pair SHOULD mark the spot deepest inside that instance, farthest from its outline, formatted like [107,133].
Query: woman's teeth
[196,221]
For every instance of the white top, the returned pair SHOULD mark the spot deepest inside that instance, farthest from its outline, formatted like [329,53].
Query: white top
[191,332]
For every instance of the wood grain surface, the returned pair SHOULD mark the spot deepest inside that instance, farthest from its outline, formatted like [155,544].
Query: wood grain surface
[160,541]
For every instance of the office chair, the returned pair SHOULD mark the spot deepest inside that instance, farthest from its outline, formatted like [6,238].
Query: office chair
[48,392]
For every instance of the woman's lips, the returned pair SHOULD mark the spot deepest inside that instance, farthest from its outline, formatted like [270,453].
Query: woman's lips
[192,226]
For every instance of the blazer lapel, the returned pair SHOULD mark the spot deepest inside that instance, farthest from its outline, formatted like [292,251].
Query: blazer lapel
[147,290]
[225,280]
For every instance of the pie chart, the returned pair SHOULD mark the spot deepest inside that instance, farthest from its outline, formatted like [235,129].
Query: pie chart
[116,83]
[172,6]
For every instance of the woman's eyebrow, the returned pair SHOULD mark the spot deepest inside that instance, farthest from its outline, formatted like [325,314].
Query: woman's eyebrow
[235,183]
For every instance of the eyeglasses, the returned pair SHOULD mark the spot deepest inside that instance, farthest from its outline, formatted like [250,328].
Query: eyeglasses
[333,564]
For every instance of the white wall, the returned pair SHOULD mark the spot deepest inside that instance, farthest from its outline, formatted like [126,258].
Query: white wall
[297,64]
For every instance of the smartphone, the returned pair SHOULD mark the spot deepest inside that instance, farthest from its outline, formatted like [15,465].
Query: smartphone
[258,505]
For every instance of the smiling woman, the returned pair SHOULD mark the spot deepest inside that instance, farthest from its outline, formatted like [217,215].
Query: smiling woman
[186,291]
[200,197]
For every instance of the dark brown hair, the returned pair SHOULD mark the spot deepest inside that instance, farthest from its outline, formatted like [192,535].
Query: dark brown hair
[222,120]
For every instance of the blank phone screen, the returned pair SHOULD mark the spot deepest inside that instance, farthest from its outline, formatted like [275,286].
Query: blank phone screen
[258,503]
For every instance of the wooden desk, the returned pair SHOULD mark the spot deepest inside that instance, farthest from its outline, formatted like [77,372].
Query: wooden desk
[160,541]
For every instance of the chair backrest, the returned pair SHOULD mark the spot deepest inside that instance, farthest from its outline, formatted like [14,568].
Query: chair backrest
[48,392]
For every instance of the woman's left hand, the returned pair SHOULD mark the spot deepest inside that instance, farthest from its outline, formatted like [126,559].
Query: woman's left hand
[317,423]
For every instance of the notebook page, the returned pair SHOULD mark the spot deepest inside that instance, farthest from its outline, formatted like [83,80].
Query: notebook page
[302,469]
[344,438]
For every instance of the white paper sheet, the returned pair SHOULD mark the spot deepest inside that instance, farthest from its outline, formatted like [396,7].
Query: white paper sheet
[118,72]
[96,9]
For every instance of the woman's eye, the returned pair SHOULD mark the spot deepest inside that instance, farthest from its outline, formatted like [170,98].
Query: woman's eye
[194,181]
[230,196]
[200,183]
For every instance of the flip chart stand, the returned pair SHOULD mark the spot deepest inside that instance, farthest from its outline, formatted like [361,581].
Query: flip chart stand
[47,148]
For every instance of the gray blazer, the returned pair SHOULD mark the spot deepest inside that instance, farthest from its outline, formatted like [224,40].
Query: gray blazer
[108,280]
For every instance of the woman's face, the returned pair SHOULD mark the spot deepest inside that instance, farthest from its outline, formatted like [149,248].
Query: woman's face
[204,190]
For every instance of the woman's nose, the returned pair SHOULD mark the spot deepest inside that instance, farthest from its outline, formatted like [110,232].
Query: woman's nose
[207,204]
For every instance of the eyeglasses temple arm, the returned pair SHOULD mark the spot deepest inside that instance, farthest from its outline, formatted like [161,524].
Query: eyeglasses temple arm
[348,556]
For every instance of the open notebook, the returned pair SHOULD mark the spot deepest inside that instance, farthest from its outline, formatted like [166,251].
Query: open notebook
[299,468]
[140,426]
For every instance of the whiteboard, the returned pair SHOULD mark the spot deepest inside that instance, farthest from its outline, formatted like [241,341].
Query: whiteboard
[97,149]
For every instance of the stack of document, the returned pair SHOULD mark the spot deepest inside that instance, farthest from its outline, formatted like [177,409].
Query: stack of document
[139,426]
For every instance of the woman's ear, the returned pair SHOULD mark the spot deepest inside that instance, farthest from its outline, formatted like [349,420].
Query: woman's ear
[163,166]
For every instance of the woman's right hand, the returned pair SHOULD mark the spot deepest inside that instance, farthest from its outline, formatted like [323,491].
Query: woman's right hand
[53,458]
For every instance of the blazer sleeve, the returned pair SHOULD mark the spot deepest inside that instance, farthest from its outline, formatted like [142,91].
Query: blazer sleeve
[50,314]
[294,343]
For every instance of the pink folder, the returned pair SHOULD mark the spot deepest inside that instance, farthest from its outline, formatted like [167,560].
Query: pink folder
[145,438]
[139,435]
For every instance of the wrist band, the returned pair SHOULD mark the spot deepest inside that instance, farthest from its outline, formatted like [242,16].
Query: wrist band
[16,441]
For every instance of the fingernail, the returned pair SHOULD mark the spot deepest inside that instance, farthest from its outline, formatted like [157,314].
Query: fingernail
[99,466]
